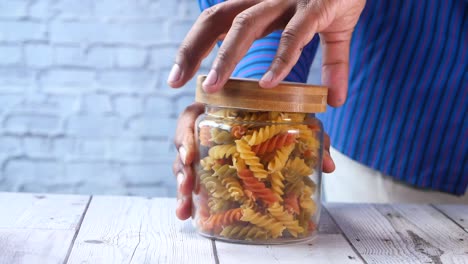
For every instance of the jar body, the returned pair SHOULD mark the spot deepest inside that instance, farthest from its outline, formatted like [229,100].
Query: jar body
[258,176]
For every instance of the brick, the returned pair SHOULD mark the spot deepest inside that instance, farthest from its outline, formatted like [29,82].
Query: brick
[41,10]
[183,101]
[92,149]
[69,55]
[67,80]
[63,104]
[147,173]
[127,106]
[14,79]
[96,104]
[125,10]
[41,124]
[127,81]
[74,32]
[189,9]
[9,101]
[10,145]
[15,31]
[100,57]
[158,106]
[67,9]
[140,150]
[30,172]
[10,55]
[38,147]
[163,57]
[149,191]
[104,188]
[151,126]
[130,57]
[96,177]
[41,103]
[38,55]
[139,33]
[179,29]
[94,126]
[13,9]
[63,147]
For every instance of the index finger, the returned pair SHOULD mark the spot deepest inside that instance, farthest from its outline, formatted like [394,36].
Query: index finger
[210,27]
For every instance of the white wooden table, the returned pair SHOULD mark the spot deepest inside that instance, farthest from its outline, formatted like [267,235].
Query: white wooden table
[38,228]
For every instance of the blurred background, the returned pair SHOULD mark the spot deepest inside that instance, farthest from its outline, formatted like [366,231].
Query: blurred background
[84,105]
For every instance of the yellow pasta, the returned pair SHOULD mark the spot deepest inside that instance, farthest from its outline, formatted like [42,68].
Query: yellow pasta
[222,151]
[265,133]
[251,159]
[277,185]
[265,221]
[280,158]
[278,212]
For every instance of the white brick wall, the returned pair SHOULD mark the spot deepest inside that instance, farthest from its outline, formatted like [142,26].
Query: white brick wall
[84,107]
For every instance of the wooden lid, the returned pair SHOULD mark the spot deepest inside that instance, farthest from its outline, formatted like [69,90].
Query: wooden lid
[247,94]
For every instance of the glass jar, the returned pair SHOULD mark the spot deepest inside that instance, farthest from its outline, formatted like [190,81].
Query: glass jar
[259,164]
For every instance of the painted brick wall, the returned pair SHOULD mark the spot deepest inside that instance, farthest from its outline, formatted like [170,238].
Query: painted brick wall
[84,107]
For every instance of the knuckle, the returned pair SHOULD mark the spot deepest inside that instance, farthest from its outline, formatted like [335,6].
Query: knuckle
[210,13]
[289,35]
[186,52]
[244,20]
[281,59]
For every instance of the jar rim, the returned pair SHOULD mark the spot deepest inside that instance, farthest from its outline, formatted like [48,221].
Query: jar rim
[247,94]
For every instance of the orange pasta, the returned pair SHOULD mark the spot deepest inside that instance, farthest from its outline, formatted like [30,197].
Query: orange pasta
[258,188]
[217,221]
[238,131]
[274,143]
[291,203]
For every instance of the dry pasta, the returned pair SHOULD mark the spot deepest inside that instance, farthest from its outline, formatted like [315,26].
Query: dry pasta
[256,177]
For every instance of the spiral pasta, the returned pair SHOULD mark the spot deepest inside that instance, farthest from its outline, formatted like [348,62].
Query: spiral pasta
[249,232]
[251,159]
[256,187]
[265,221]
[264,133]
[256,175]
[292,225]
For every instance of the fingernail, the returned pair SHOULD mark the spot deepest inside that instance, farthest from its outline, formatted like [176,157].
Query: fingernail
[210,80]
[180,179]
[267,77]
[174,75]
[183,154]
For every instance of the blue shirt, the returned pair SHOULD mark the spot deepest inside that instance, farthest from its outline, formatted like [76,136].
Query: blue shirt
[405,114]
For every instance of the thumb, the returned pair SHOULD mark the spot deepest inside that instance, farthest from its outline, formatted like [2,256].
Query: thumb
[335,65]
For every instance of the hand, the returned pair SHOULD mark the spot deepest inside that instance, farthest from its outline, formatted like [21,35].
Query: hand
[183,164]
[241,22]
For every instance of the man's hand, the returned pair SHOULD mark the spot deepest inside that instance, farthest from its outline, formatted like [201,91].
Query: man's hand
[240,22]
[183,164]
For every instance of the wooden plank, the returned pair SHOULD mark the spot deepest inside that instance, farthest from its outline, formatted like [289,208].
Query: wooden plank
[326,223]
[57,212]
[457,212]
[330,247]
[327,248]
[38,228]
[137,230]
[34,245]
[401,233]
